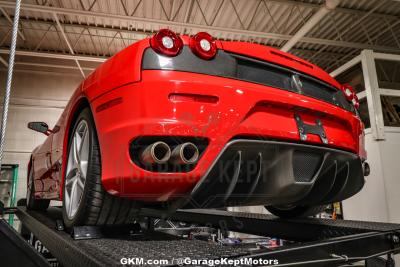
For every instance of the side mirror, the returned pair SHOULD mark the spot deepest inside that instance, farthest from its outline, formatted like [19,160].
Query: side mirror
[40,127]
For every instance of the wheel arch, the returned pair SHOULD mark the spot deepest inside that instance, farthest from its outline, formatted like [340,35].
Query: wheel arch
[74,111]
[80,105]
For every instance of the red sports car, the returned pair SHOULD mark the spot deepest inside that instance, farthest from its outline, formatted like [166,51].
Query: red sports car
[191,122]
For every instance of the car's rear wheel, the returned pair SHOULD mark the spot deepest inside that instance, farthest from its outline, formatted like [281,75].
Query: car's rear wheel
[31,202]
[85,202]
[292,211]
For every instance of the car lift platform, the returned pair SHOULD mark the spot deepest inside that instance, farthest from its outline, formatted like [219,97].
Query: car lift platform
[318,242]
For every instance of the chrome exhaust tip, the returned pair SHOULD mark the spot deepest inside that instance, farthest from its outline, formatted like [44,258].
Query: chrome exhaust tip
[186,153]
[158,152]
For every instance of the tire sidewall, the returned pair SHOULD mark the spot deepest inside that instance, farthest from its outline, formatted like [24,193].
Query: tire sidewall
[30,199]
[80,217]
[295,211]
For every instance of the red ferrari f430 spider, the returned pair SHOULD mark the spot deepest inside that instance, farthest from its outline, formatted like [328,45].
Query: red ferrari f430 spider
[191,122]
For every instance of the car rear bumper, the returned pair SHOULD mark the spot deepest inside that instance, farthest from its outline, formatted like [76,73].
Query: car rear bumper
[171,103]
[256,172]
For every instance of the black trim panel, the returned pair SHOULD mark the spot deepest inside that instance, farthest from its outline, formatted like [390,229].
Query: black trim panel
[234,66]
[256,172]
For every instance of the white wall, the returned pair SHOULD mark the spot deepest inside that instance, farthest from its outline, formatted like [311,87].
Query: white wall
[390,153]
[36,96]
[379,199]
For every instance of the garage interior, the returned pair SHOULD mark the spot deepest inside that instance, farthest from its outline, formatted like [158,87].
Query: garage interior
[60,42]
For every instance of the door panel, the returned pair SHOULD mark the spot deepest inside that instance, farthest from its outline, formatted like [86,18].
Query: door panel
[42,166]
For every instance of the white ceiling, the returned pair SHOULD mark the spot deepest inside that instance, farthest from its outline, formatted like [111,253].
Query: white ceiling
[96,29]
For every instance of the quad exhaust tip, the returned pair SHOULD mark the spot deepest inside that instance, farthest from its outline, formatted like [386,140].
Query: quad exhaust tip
[186,153]
[158,152]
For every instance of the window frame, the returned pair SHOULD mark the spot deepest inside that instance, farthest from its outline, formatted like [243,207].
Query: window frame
[372,90]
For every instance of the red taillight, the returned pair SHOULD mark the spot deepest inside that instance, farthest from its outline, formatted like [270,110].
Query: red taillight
[166,42]
[348,91]
[203,45]
[355,101]
[350,95]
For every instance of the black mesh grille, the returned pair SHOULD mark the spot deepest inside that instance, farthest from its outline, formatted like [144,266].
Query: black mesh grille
[305,165]
[248,69]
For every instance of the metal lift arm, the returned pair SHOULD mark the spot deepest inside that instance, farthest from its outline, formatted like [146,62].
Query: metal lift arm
[321,242]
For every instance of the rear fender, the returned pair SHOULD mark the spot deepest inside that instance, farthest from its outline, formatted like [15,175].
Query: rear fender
[76,104]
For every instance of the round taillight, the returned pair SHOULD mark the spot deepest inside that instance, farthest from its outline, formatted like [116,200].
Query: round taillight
[203,45]
[166,42]
[355,101]
[348,91]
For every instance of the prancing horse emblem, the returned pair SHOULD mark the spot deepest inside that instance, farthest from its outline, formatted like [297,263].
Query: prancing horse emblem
[296,82]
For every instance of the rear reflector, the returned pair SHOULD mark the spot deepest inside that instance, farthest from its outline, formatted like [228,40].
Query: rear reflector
[176,97]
